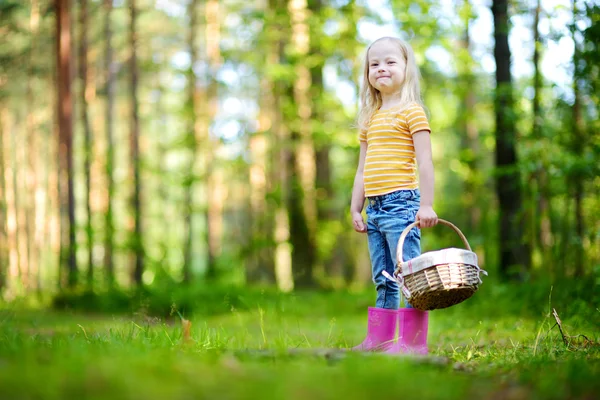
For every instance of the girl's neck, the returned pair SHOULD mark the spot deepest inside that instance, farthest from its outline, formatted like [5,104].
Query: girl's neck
[389,100]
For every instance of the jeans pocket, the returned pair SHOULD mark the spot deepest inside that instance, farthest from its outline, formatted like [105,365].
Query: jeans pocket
[397,207]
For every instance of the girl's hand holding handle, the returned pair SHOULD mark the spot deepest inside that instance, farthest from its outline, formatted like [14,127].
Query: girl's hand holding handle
[426,217]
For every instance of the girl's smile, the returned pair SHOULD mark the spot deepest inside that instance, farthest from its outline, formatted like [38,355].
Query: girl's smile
[386,67]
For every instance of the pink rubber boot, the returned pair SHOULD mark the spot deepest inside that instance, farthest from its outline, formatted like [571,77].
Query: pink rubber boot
[381,329]
[412,332]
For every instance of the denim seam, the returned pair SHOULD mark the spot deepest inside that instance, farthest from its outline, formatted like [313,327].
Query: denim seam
[385,290]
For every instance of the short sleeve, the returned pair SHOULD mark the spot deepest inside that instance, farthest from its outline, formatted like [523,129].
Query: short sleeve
[416,120]
[362,136]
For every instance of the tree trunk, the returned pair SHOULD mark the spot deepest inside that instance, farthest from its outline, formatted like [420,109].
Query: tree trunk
[43,165]
[281,228]
[21,187]
[31,153]
[11,210]
[577,147]
[260,267]
[358,266]
[136,205]
[17,226]
[109,229]
[195,96]
[38,162]
[214,209]
[542,235]
[4,248]
[333,263]
[83,75]
[53,227]
[65,125]
[301,163]
[514,253]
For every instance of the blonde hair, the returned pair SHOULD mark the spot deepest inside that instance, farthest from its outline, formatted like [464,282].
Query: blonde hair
[410,92]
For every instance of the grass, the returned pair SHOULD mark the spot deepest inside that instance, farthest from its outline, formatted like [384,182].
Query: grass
[502,343]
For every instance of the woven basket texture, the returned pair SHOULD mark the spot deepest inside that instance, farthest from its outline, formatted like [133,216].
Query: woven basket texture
[442,285]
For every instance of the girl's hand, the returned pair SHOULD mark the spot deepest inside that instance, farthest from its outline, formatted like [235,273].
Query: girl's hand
[426,217]
[358,222]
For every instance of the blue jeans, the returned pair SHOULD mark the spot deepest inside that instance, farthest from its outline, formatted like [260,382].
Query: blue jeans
[387,216]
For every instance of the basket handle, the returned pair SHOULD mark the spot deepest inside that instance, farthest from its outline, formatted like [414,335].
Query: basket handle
[409,227]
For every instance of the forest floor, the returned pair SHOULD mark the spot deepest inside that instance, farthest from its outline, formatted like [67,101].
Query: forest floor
[493,346]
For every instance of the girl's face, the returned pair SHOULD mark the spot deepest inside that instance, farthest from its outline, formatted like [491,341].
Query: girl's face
[387,67]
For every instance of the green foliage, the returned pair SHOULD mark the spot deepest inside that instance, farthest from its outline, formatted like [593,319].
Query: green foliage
[257,63]
[163,300]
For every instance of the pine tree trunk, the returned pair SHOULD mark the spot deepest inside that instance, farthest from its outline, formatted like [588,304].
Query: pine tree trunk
[136,206]
[164,201]
[334,264]
[260,267]
[30,156]
[65,125]
[109,229]
[11,206]
[542,225]
[514,253]
[38,163]
[83,76]
[301,163]
[281,230]
[43,166]
[214,208]
[358,266]
[577,147]
[4,249]
[22,185]
[192,105]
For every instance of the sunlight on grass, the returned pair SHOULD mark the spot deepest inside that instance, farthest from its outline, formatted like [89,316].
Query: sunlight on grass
[275,350]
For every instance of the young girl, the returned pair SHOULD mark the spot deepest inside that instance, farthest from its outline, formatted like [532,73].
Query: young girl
[393,132]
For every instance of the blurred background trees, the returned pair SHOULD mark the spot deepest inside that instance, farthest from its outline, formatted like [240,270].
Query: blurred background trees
[162,141]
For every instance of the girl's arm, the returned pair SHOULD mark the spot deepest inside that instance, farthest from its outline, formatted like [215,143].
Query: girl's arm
[358,192]
[426,216]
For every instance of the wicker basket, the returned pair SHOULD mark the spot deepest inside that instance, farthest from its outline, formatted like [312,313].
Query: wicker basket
[438,279]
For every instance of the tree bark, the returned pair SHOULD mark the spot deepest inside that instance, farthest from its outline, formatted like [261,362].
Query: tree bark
[542,235]
[30,156]
[83,76]
[4,248]
[39,163]
[514,253]
[578,147]
[195,96]
[335,262]
[214,208]
[136,206]
[68,260]
[260,267]
[109,229]
[301,163]
[11,206]
[280,175]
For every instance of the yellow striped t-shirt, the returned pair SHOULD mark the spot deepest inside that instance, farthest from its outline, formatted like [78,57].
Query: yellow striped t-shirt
[390,163]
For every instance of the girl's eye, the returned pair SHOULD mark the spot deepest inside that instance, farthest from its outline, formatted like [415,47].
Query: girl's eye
[392,62]
[374,65]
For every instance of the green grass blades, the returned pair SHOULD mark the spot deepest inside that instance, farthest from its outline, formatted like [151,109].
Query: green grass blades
[488,347]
